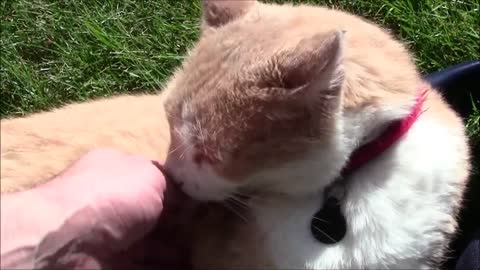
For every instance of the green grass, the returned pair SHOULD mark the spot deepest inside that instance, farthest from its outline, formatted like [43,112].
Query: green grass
[62,51]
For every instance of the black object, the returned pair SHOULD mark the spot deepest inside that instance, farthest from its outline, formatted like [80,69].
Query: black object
[329,225]
[459,84]
[470,258]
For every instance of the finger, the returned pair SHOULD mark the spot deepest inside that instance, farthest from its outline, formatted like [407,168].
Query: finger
[148,171]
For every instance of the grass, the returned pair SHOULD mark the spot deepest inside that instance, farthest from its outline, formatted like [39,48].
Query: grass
[63,51]
[56,52]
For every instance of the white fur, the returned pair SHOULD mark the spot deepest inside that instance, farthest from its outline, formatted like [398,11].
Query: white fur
[201,183]
[394,208]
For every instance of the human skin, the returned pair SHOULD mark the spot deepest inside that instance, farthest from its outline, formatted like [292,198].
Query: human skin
[107,210]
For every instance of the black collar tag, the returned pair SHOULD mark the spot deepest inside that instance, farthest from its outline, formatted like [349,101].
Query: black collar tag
[329,225]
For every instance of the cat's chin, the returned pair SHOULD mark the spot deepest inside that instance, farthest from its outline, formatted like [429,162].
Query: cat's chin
[201,184]
[204,193]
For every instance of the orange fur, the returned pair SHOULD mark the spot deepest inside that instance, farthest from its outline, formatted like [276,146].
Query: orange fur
[40,146]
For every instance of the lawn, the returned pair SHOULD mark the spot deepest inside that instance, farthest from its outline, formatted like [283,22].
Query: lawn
[63,51]
[55,52]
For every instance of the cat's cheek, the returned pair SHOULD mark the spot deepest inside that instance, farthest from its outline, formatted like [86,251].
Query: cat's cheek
[206,186]
[200,183]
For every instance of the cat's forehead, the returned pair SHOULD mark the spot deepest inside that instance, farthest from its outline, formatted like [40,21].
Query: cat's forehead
[244,42]
[215,71]
[257,36]
[229,63]
[220,67]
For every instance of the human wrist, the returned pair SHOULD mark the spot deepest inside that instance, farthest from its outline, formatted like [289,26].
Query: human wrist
[19,239]
[27,218]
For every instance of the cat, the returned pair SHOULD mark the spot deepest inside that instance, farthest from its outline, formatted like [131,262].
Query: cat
[37,147]
[271,102]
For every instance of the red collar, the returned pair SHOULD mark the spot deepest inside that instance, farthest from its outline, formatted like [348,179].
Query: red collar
[390,136]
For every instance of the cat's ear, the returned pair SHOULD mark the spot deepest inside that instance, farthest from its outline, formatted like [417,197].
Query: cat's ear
[220,12]
[313,66]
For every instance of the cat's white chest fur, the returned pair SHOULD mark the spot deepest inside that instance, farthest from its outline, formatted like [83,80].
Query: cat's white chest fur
[399,210]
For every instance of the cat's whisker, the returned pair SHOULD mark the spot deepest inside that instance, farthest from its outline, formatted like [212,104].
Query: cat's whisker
[178,131]
[319,219]
[187,148]
[324,233]
[239,202]
[240,205]
[199,135]
[236,212]
[385,266]
[242,193]
[256,199]
[182,155]
[177,148]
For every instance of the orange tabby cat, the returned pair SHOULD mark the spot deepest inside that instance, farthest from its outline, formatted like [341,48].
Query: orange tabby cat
[273,100]
[38,147]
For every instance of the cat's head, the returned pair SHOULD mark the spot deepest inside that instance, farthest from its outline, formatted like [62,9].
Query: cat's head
[255,105]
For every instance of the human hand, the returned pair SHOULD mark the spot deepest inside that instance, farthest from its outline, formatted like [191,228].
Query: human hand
[105,206]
